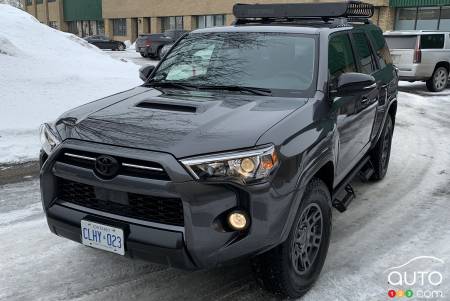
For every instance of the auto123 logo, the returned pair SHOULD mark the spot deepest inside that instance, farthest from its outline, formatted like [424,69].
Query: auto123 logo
[419,278]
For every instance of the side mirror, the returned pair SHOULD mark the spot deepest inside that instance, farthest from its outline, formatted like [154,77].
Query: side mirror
[145,72]
[353,83]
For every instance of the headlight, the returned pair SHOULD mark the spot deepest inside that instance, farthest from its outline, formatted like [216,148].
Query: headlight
[49,138]
[242,166]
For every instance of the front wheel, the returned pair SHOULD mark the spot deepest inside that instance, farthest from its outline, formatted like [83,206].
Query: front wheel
[293,267]
[438,80]
[121,47]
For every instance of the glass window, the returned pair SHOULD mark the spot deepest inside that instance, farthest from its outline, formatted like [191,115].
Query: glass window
[171,23]
[406,18]
[119,27]
[281,62]
[362,47]
[381,49]
[53,24]
[29,2]
[428,18]
[444,24]
[401,42]
[72,27]
[210,21]
[39,1]
[100,27]
[432,41]
[340,57]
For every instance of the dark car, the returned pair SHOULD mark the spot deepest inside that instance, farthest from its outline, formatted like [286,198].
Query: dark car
[151,45]
[103,42]
[237,146]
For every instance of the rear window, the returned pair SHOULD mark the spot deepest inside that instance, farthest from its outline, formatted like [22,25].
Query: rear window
[432,41]
[401,42]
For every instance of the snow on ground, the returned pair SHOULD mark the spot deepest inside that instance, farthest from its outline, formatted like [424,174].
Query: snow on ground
[390,222]
[44,72]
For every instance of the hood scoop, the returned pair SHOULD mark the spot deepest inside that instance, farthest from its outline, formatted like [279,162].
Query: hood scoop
[167,107]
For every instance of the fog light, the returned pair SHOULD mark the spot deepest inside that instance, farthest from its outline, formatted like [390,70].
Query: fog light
[238,220]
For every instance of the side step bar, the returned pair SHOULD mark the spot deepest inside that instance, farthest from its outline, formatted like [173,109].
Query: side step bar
[343,195]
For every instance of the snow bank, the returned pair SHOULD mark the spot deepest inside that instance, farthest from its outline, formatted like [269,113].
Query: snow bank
[44,72]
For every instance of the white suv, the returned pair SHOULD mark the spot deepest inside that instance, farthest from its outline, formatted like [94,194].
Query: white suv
[421,55]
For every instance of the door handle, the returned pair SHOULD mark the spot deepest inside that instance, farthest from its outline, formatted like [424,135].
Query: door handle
[364,100]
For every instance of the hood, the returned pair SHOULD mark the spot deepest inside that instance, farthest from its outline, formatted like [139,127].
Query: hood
[177,122]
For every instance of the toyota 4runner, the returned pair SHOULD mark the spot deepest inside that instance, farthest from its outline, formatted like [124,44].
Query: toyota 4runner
[237,146]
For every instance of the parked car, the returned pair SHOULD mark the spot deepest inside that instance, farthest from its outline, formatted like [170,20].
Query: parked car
[104,42]
[236,147]
[421,56]
[150,45]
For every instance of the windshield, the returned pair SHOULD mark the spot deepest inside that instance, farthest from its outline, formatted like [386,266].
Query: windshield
[275,61]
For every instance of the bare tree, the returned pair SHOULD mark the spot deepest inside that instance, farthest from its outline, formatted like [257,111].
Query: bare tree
[15,3]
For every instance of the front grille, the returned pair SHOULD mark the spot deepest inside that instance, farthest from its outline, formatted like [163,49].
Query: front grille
[139,206]
[127,166]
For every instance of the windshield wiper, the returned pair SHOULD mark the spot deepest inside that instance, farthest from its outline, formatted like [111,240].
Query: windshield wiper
[169,84]
[253,90]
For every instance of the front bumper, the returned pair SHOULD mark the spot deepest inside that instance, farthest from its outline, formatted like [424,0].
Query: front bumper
[201,242]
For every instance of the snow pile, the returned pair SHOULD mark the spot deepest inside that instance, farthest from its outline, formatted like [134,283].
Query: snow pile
[44,72]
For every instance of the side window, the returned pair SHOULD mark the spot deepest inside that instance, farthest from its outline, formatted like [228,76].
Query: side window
[381,48]
[362,47]
[340,57]
[432,41]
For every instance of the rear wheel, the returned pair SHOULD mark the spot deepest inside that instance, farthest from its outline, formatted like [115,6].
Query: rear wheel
[381,153]
[143,54]
[292,268]
[438,80]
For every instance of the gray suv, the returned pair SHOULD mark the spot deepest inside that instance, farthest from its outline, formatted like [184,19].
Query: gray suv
[421,56]
[236,147]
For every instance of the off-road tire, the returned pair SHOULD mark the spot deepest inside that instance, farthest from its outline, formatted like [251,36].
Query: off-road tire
[275,270]
[381,153]
[439,80]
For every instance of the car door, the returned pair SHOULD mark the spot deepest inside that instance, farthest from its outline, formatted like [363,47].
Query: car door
[366,105]
[386,76]
[341,60]
[350,111]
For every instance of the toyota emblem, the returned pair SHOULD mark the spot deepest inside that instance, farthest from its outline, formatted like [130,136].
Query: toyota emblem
[106,166]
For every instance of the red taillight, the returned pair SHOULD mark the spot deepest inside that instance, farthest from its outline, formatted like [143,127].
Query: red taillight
[417,53]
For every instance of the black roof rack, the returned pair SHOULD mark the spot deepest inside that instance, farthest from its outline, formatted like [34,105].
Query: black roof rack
[351,10]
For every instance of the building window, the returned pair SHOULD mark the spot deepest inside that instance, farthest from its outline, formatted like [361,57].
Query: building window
[39,1]
[209,21]
[171,23]
[444,23]
[100,27]
[53,24]
[406,18]
[428,18]
[423,18]
[120,27]
[51,1]
[29,2]
[72,27]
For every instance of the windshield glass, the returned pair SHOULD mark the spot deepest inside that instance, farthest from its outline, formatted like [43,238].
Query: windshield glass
[275,61]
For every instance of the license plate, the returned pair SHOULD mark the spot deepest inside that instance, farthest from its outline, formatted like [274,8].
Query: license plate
[102,237]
